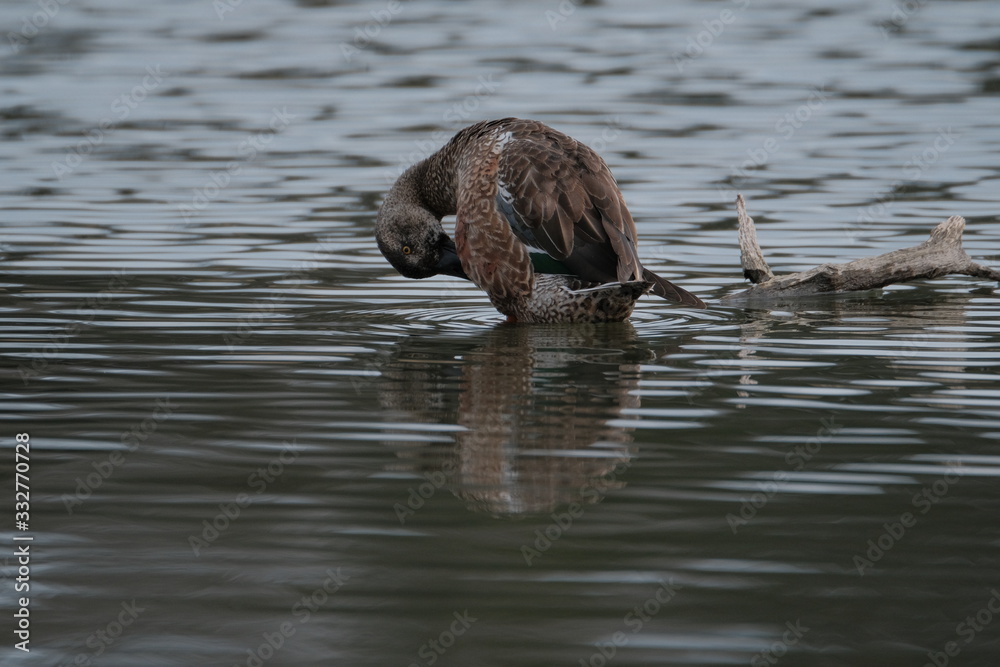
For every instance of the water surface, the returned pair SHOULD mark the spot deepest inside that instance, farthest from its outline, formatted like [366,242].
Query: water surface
[254,444]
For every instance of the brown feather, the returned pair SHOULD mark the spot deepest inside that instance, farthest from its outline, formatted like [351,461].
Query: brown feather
[560,189]
[666,289]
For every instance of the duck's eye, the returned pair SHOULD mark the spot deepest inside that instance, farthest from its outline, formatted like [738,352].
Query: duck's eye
[407,250]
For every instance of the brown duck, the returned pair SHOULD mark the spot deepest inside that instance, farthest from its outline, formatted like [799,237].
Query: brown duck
[541,225]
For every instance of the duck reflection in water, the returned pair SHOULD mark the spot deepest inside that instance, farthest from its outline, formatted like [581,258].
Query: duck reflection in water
[536,410]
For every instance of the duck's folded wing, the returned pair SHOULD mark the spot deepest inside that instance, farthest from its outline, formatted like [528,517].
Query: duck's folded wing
[560,197]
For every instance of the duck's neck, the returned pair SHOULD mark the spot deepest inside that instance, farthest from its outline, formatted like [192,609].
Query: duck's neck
[432,181]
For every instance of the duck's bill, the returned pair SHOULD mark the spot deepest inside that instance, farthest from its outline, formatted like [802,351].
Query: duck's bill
[450,264]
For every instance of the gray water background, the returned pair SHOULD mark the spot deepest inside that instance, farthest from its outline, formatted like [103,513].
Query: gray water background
[253,442]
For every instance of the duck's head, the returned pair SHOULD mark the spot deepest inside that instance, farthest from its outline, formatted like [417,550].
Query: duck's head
[412,239]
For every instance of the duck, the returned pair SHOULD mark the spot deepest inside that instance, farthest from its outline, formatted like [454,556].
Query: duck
[541,225]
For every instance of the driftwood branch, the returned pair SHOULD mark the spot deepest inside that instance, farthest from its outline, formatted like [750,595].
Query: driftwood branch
[940,255]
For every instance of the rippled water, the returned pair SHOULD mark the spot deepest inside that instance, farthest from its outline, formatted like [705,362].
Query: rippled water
[254,444]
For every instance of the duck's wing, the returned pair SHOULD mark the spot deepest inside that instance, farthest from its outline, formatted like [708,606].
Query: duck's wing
[560,198]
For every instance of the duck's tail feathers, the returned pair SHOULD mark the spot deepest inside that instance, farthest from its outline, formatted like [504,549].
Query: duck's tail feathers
[666,289]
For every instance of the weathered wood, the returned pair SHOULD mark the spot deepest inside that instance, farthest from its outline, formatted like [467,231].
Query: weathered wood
[940,255]
[755,268]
